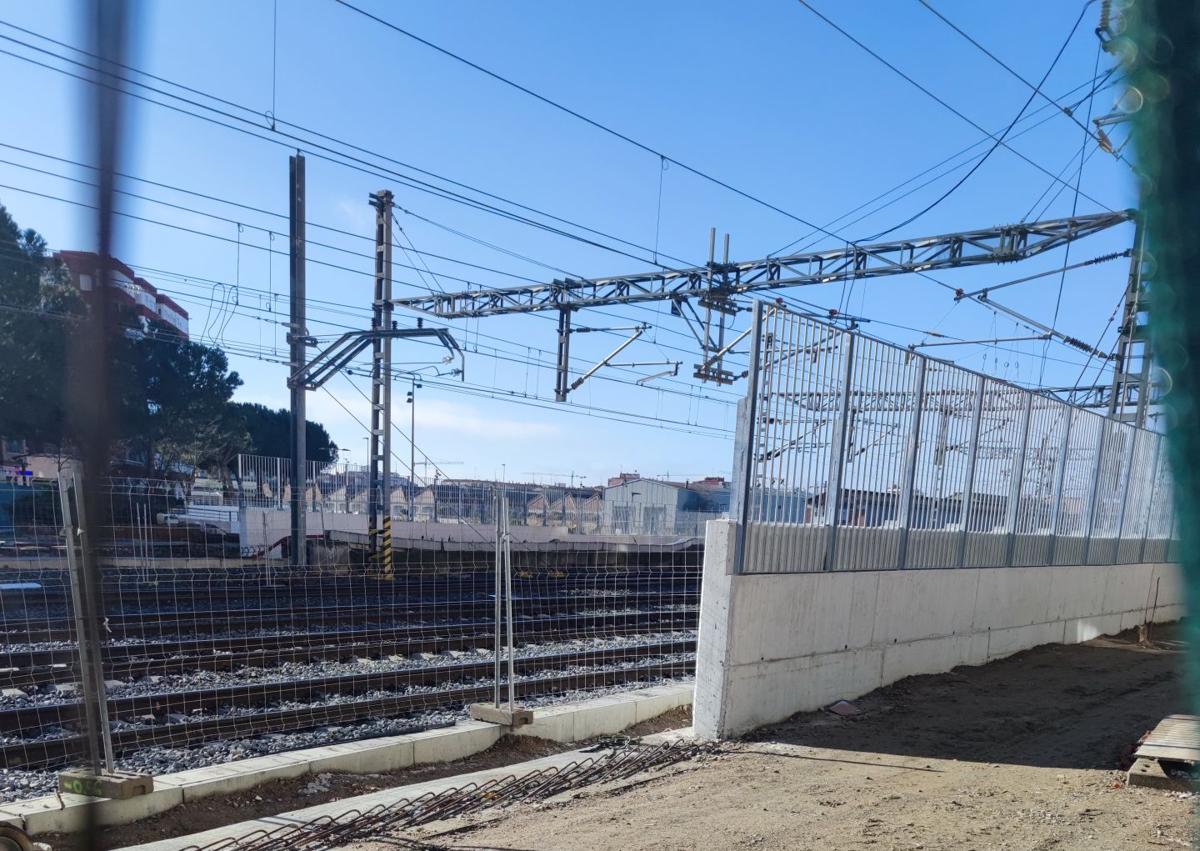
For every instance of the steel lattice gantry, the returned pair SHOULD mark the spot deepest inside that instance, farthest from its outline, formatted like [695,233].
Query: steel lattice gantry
[715,284]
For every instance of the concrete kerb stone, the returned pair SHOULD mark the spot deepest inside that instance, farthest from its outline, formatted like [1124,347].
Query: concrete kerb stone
[451,743]
[384,797]
[565,723]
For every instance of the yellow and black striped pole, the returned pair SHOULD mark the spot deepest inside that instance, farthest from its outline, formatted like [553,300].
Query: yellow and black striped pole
[387,572]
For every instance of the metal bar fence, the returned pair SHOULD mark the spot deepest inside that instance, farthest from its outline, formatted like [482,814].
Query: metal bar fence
[858,454]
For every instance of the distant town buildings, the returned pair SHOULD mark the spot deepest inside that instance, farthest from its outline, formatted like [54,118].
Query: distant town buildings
[154,309]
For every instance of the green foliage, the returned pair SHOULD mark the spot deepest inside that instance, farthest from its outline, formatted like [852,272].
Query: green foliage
[176,404]
[170,399]
[37,307]
[270,434]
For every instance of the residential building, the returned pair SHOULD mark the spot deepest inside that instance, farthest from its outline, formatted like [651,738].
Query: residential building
[154,309]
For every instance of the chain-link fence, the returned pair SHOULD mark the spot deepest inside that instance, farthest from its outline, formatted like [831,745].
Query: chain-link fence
[857,454]
[213,651]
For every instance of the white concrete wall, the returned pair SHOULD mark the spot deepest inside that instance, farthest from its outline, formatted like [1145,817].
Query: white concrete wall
[771,645]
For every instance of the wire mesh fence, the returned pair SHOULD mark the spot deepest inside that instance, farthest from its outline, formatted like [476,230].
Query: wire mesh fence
[857,454]
[212,650]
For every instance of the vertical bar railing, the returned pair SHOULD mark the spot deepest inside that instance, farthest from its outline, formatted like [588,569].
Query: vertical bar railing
[1017,479]
[837,454]
[1158,451]
[745,478]
[1060,475]
[907,500]
[1127,476]
[968,495]
[835,430]
[1095,491]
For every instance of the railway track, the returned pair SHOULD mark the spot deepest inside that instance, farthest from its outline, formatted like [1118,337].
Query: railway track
[206,622]
[40,667]
[453,686]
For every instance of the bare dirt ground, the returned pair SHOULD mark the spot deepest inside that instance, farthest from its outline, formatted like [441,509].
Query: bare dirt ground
[1024,753]
[306,791]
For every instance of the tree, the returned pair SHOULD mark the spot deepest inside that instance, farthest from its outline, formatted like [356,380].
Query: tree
[270,434]
[37,308]
[176,404]
[169,398]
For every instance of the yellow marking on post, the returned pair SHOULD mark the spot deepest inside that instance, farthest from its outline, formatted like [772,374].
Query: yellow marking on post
[387,548]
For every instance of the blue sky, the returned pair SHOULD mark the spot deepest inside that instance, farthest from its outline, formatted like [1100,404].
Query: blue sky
[762,95]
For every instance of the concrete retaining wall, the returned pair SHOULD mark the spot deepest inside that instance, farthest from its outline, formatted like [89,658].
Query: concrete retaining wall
[771,645]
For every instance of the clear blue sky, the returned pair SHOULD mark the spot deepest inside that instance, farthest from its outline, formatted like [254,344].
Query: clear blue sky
[763,95]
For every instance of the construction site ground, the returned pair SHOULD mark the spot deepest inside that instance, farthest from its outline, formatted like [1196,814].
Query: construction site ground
[1025,753]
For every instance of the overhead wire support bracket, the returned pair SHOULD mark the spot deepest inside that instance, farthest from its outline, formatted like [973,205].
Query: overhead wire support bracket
[1002,244]
[337,356]
[638,331]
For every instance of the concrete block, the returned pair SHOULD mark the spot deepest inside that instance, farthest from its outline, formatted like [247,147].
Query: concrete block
[1128,587]
[236,776]
[1075,592]
[1005,642]
[772,691]
[556,723]
[50,815]
[368,757]
[646,707]
[1012,597]
[115,784]
[928,656]
[604,716]
[1079,630]
[492,714]
[923,604]
[461,740]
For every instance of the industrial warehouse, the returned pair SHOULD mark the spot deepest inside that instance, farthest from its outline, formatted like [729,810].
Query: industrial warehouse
[410,439]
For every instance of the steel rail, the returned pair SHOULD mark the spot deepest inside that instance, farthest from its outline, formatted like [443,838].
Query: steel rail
[31,753]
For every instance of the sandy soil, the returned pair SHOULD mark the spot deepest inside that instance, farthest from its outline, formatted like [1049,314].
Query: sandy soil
[1024,753]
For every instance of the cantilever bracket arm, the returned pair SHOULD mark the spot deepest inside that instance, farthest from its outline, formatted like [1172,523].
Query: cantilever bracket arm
[347,347]
[641,329]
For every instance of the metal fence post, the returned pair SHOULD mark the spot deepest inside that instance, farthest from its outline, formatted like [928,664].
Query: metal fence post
[498,596]
[1158,451]
[1091,515]
[837,455]
[972,458]
[506,546]
[1128,476]
[85,601]
[746,471]
[1060,477]
[905,514]
[1018,479]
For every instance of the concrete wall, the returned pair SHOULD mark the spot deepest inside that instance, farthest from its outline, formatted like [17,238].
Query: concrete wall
[771,645]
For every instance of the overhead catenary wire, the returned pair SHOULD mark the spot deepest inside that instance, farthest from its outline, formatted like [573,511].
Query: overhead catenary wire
[338,157]
[928,92]
[249,124]
[999,140]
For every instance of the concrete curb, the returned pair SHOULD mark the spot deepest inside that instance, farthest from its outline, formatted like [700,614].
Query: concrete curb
[566,723]
[360,803]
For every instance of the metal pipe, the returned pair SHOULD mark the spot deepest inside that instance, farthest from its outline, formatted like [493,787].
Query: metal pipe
[905,515]
[837,453]
[972,461]
[745,465]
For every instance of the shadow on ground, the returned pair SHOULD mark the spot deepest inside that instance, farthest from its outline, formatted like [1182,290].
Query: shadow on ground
[1068,706]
